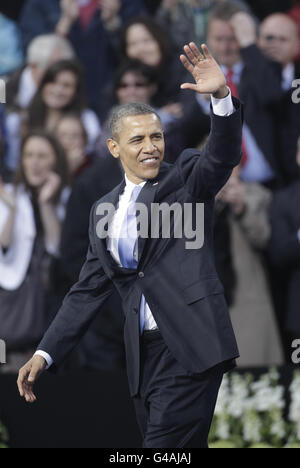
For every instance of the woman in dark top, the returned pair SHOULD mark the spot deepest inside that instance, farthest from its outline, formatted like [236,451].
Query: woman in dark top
[144,39]
[30,223]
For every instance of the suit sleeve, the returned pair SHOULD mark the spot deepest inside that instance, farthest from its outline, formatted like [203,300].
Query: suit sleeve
[205,172]
[80,306]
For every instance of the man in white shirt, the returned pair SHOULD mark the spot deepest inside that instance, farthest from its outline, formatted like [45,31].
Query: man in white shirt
[178,335]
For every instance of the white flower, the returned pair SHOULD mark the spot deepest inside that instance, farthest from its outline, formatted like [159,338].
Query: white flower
[252,426]
[223,427]
[223,397]
[238,402]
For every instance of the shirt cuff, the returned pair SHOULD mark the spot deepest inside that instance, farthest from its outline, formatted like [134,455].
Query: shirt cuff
[46,356]
[223,107]
[299,235]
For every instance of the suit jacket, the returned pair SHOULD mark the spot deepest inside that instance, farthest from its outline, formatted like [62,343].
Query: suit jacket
[285,248]
[181,286]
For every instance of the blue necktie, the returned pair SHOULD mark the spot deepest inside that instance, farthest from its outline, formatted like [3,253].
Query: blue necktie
[128,234]
[127,245]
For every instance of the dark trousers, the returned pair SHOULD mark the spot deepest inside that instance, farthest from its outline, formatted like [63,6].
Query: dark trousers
[174,408]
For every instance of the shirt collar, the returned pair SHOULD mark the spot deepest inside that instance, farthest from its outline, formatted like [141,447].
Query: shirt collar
[237,69]
[130,186]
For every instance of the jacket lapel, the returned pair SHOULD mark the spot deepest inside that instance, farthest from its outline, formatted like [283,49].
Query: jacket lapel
[112,199]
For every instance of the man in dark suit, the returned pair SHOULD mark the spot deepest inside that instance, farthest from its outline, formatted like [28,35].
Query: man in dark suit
[278,39]
[285,251]
[232,39]
[178,335]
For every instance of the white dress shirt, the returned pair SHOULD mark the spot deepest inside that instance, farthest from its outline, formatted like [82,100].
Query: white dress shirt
[221,107]
[113,240]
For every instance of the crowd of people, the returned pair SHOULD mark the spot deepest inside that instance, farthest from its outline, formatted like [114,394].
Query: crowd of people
[66,64]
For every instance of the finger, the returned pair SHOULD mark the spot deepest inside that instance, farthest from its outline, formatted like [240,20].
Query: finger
[191,55]
[20,388]
[21,382]
[206,52]
[190,86]
[29,395]
[30,398]
[198,55]
[186,63]
[33,375]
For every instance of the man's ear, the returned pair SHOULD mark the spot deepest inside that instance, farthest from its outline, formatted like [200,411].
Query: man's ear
[113,147]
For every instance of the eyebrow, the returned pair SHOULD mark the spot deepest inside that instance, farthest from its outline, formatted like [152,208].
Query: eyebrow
[139,137]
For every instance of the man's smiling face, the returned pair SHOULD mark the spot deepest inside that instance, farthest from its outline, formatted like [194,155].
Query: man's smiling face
[140,146]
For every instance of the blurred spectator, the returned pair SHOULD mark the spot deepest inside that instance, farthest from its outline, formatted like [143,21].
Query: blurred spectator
[294,13]
[30,224]
[232,40]
[72,135]
[279,40]
[133,81]
[186,20]
[91,25]
[42,52]
[138,82]
[61,91]
[252,309]
[11,52]
[285,249]
[145,40]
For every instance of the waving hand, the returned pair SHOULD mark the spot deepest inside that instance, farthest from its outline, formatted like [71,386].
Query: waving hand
[206,72]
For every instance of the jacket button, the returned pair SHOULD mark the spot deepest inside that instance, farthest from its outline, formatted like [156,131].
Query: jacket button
[135,310]
[141,274]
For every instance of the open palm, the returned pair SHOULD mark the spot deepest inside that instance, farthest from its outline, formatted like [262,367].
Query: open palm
[206,72]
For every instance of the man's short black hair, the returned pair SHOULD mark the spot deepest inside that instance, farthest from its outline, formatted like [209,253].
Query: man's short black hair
[127,110]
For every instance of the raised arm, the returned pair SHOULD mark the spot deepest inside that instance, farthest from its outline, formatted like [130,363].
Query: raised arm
[206,172]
